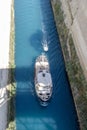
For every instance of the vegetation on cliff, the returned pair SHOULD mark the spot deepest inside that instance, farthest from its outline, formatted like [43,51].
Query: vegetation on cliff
[74,70]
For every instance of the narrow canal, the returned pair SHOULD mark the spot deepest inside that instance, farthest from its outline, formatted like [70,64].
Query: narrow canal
[31,17]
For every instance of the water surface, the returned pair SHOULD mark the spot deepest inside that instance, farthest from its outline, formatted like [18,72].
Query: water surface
[31,16]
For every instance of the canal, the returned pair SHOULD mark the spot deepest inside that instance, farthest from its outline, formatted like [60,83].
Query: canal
[31,18]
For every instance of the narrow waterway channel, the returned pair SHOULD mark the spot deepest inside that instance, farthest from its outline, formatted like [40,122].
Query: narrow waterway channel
[31,16]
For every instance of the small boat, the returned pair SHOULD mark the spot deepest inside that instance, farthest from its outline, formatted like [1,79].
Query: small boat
[43,80]
[45,46]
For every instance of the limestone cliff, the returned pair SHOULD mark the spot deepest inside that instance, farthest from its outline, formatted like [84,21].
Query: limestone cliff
[71,22]
[75,12]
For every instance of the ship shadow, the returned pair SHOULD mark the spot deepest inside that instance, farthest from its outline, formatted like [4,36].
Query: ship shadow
[36,40]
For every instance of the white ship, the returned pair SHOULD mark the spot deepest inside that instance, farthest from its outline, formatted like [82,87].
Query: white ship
[43,80]
[45,46]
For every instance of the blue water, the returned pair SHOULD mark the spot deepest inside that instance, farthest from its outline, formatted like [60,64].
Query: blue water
[60,114]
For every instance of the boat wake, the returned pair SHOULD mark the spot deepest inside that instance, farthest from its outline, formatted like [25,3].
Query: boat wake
[44,41]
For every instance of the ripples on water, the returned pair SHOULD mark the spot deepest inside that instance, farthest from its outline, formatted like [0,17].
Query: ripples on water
[60,113]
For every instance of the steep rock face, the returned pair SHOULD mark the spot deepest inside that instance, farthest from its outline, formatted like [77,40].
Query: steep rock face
[75,12]
[79,30]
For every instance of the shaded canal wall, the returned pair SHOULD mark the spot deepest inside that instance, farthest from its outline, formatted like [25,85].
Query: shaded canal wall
[70,17]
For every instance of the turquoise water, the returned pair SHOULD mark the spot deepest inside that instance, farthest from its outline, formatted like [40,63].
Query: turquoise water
[30,17]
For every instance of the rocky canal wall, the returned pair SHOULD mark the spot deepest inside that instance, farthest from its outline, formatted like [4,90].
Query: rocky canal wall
[70,17]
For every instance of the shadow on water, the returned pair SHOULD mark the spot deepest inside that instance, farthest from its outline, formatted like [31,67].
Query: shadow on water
[29,114]
[28,106]
[60,114]
[61,110]
[23,76]
[51,117]
[36,39]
